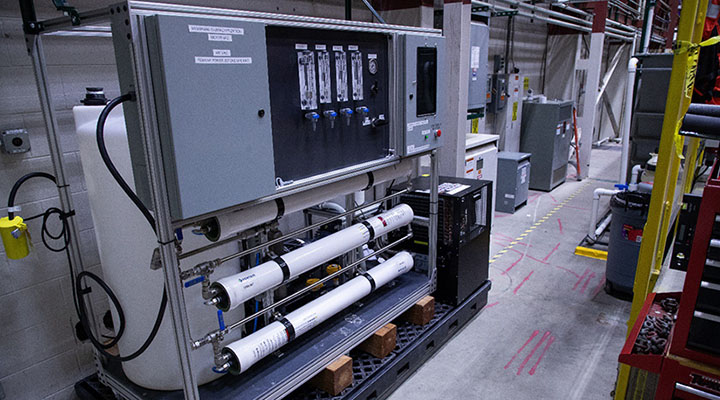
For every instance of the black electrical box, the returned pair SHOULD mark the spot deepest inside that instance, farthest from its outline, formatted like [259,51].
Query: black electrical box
[463,233]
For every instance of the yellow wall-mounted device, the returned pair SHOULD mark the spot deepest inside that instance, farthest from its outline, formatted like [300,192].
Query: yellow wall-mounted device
[15,237]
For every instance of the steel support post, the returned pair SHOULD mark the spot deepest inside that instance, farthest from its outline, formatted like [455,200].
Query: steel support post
[37,53]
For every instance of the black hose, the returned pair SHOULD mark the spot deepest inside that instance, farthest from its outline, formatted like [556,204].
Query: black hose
[16,186]
[100,135]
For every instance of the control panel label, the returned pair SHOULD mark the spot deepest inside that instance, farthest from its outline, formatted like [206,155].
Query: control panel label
[223,60]
[300,46]
[214,37]
[412,125]
[216,29]
[221,53]
[320,47]
[352,47]
[338,48]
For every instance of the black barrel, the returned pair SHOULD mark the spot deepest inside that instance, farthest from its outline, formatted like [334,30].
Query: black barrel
[629,214]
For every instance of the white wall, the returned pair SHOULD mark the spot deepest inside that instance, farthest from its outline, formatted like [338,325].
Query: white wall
[39,356]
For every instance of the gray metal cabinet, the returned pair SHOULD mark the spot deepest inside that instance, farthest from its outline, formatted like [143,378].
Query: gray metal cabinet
[513,179]
[546,133]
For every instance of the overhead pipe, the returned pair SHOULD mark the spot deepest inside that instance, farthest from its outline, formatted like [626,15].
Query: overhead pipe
[627,119]
[230,292]
[612,33]
[244,353]
[226,225]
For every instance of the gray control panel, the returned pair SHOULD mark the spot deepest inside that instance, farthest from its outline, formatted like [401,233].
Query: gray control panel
[247,108]
[213,109]
[423,76]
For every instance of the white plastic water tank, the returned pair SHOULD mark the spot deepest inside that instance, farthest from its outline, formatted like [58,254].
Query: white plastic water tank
[126,243]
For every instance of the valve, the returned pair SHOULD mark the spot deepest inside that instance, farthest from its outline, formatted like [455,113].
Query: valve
[331,115]
[347,113]
[362,110]
[313,117]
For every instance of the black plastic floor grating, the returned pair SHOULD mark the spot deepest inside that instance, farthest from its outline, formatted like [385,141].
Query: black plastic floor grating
[364,365]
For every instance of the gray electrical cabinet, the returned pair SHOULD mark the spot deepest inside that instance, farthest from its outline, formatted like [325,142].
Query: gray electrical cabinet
[546,133]
[513,180]
[477,81]
[249,108]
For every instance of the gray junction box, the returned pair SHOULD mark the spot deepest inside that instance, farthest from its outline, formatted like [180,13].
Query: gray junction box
[513,180]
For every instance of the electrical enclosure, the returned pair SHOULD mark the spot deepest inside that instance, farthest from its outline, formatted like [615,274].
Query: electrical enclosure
[477,82]
[248,108]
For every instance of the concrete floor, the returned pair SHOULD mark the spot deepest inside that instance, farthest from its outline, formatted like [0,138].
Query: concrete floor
[549,330]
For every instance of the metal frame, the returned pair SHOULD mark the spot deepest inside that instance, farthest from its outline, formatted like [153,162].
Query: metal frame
[134,11]
[663,201]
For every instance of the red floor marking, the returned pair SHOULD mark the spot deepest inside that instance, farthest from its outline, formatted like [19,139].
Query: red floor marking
[560,225]
[502,215]
[513,265]
[492,304]
[568,270]
[532,336]
[553,198]
[523,282]
[587,282]
[538,260]
[587,271]
[529,356]
[551,251]
[533,197]
[600,286]
[504,236]
[547,345]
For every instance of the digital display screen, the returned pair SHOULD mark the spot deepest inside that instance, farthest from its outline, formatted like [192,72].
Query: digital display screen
[426,81]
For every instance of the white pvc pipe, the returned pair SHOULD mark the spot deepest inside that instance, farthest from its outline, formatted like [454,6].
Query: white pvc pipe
[238,221]
[235,289]
[627,119]
[250,349]
[599,192]
[647,30]
[635,176]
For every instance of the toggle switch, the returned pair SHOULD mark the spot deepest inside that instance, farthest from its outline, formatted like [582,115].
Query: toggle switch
[313,117]
[347,114]
[330,114]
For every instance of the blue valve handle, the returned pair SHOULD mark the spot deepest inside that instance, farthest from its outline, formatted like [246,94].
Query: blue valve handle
[221,320]
[621,186]
[195,281]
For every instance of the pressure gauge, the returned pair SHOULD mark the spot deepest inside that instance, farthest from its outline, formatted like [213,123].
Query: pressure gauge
[373,66]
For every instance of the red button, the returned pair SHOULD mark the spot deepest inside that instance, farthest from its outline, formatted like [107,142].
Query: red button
[438,133]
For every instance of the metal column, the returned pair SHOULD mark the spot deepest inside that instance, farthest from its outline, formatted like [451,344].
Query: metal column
[456,29]
[35,49]
[592,66]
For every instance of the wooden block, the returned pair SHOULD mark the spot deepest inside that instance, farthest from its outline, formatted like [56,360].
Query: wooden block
[381,343]
[422,312]
[335,377]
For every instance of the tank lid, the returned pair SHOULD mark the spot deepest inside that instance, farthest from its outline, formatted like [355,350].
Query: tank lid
[94,96]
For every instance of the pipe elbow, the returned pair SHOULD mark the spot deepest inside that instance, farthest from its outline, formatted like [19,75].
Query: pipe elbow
[632,64]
